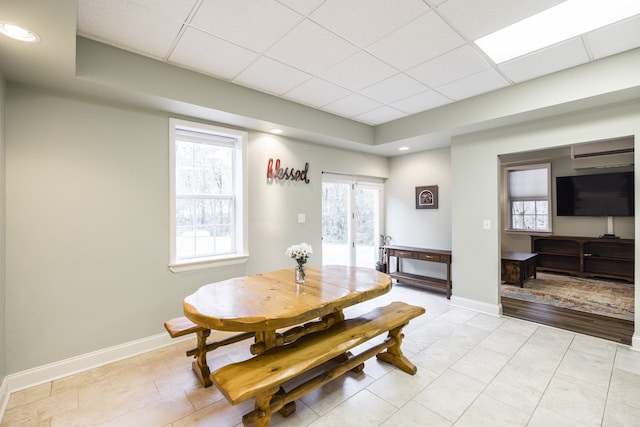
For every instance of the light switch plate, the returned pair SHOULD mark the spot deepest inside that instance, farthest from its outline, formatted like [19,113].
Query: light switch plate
[486,224]
[301,218]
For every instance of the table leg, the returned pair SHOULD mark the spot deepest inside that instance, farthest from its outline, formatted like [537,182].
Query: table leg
[199,365]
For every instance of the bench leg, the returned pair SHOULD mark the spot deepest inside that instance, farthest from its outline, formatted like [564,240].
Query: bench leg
[261,415]
[199,365]
[288,408]
[394,354]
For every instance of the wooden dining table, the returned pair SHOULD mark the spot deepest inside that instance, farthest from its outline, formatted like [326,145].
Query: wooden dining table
[267,303]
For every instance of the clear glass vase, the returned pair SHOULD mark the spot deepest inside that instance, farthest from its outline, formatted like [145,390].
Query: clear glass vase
[300,274]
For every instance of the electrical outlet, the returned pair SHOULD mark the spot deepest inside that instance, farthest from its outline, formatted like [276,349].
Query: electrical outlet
[301,218]
[486,224]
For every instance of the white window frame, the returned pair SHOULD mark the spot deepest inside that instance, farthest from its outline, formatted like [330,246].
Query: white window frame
[508,199]
[240,253]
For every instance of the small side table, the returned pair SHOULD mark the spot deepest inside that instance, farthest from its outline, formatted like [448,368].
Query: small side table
[518,267]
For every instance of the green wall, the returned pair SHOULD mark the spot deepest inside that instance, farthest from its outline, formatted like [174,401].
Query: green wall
[87,240]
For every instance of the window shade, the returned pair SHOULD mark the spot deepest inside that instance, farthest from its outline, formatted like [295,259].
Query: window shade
[528,183]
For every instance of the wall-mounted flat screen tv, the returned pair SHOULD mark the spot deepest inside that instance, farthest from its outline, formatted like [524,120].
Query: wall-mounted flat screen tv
[608,194]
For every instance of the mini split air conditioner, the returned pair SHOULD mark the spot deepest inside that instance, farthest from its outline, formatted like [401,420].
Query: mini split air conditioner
[603,154]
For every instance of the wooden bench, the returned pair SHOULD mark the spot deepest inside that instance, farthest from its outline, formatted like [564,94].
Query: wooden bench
[263,375]
[181,326]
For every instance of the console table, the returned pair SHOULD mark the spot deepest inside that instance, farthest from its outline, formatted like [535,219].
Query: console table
[422,254]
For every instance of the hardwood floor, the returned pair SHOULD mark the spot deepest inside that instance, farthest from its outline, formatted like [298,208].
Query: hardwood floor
[609,328]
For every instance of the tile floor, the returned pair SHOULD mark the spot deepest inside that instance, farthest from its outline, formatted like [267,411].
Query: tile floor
[473,370]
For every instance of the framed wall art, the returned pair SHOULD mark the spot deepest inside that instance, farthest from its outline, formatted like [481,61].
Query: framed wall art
[427,197]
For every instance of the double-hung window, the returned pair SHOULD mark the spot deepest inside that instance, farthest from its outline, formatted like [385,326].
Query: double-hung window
[528,198]
[208,196]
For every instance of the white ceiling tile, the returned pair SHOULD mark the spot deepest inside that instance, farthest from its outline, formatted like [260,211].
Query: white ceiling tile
[271,76]
[253,24]
[210,55]
[546,61]
[421,40]
[303,7]
[423,101]
[475,84]
[379,115]
[352,105]
[135,26]
[364,21]
[317,92]
[354,58]
[358,71]
[615,38]
[478,18]
[394,88]
[311,48]
[458,63]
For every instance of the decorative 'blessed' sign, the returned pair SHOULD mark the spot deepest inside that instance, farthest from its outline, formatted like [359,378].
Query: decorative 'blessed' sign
[292,174]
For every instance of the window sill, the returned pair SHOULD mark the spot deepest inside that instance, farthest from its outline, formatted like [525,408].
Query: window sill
[529,232]
[207,263]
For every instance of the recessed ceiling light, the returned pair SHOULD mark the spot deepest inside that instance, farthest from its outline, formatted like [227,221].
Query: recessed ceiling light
[559,23]
[403,148]
[277,131]
[19,33]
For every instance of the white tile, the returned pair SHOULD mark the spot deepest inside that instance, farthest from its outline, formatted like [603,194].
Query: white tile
[205,53]
[546,61]
[137,26]
[317,92]
[587,367]
[481,363]
[438,395]
[627,359]
[253,24]
[303,7]
[615,38]
[475,84]
[349,73]
[421,102]
[271,76]
[485,411]
[394,88]
[365,409]
[595,346]
[575,399]
[421,40]
[322,400]
[543,417]
[518,388]
[476,19]
[311,48]
[398,387]
[379,115]
[625,387]
[352,105]
[362,22]
[618,414]
[414,414]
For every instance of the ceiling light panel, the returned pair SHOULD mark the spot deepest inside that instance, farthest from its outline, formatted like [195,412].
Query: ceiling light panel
[562,22]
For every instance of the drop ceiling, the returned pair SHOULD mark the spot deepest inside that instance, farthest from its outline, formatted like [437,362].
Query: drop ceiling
[369,61]
[365,75]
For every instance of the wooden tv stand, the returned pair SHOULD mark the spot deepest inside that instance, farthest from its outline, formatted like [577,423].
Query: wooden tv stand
[585,256]
[432,255]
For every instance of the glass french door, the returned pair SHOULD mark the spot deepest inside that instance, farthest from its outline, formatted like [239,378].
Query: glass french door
[351,221]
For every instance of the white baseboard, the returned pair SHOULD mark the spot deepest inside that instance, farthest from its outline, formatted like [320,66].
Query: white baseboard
[635,341]
[479,306]
[64,368]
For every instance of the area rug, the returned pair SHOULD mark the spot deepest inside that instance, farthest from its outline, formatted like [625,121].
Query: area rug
[614,299]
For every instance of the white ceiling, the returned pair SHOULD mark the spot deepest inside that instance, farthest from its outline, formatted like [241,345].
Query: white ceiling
[369,61]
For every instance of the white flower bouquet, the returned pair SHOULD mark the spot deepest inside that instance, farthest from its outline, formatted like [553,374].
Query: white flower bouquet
[300,253]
